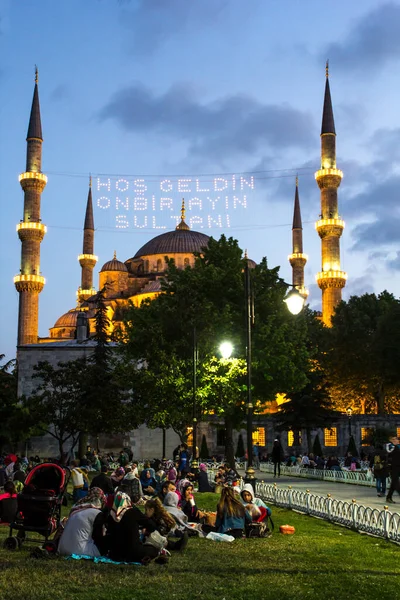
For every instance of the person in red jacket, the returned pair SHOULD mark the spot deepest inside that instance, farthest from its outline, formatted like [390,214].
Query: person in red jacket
[8,503]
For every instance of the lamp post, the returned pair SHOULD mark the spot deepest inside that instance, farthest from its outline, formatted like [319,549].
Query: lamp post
[295,302]
[349,411]
[194,390]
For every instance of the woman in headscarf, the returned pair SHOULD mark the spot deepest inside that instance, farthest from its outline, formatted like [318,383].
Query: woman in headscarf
[117,476]
[202,479]
[123,532]
[171,505]
[83,532]
[149,483]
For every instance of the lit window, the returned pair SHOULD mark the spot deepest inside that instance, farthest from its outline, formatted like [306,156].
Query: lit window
[159,265]
[186,262]
[366,436]
[189,436]
[259,436]
[290,438]
[398,432]
[330,437]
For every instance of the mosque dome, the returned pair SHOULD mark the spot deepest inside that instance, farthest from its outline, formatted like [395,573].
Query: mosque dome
[181,240]
[68,319]
[113,265]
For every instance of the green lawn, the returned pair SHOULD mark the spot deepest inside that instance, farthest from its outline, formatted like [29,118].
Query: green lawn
[321,561]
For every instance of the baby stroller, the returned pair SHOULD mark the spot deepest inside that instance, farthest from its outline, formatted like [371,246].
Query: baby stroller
[39,504]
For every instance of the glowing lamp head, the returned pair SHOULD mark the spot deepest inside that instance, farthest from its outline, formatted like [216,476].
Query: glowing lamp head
[294,301]
[226,349]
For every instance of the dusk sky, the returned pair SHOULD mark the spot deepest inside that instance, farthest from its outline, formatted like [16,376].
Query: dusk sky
[143,94]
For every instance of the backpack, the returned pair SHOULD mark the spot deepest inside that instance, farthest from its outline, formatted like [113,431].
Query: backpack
[378,466]
[260,530]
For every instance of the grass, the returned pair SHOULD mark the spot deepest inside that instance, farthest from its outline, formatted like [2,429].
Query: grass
[321,561]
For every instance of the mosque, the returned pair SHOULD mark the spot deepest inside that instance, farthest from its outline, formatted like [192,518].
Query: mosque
[138,277]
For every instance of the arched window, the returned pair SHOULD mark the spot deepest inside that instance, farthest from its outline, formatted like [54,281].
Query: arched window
[146,266]
[186,262]
[159,265]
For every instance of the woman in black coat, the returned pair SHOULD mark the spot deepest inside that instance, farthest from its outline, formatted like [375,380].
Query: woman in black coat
[277,457]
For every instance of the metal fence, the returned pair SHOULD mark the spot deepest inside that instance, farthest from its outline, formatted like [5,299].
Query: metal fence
[381,523]
[364,477]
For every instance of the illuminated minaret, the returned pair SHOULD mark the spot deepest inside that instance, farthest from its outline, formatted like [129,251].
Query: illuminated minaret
[297,259]
[330,226]
[87,259]
[29,283]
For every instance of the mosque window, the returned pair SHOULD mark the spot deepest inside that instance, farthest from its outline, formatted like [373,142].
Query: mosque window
[159,265]
[259,436]
[398,432]
[367,434]
[146,266]
[186,262]
[221,437]
[330,436]
[290,438]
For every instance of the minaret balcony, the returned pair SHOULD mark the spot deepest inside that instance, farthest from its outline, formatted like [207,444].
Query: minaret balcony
[86,293]
[33,180]
[328,178]
[331,278]
[326,227]
[297,259]
[298,255]
[29,283]
[88,260]
[324,172]
[31,230]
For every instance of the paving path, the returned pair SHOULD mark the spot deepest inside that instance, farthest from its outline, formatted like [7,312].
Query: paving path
[341,491]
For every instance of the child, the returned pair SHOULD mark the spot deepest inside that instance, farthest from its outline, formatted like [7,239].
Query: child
[165,524]
[255,506]
[231,514]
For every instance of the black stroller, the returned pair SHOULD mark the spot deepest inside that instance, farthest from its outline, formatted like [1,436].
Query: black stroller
[39,504]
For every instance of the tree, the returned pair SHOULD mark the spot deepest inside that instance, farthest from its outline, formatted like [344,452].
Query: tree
[365,349]
[13,426]
[240,451]
[317,448]
[206,302]
[308,409]
[55,405]
[204,448]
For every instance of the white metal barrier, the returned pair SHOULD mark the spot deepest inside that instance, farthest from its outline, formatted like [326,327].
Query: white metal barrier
[355,477]
[381,523]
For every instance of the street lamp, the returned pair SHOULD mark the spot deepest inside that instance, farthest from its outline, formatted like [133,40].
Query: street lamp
[226,350]
[349,411]
[295,302]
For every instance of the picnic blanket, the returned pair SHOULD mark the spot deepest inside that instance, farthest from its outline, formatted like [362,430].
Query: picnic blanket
[100,559]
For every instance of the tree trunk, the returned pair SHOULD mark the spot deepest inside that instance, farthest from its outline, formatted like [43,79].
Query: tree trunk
[229,449]
[380,399]
[309,444]
[83,440]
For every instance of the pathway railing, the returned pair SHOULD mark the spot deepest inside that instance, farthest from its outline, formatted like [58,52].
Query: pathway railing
[355,477]
[381,523]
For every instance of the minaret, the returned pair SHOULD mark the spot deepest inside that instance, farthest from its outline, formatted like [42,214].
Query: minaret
[330,226]
[29,283]
[87,260]
[297,259]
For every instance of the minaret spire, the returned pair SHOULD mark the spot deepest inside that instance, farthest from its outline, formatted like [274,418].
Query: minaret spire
[182,225]
[29,283]
[87,259]
[297,259]
[330,226]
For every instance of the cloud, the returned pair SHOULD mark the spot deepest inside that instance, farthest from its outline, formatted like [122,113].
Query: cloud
[233,125]
[60,92]
[382,232]
[358,286]
[372,42]
[394,263]
[152,22]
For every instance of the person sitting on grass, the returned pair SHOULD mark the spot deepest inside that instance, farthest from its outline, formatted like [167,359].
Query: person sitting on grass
[80,481]
[167,486]
[257,509]
[8,503]
[187,503]
[231,514]
[117,476]
[171,506]
[149,483]
[202,479]
[83,532]
[103,481]
[165,524]
[123,532]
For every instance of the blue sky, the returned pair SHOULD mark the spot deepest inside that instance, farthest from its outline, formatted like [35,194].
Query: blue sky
[160,90]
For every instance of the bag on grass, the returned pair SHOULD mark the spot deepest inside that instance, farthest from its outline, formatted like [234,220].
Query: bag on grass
[260,530]
[157,540]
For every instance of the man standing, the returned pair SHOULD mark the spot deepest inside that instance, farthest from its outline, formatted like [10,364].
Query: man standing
[394,462]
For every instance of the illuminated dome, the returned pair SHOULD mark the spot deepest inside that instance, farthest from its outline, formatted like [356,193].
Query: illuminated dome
[113,265]
[69,319]
[180,240]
